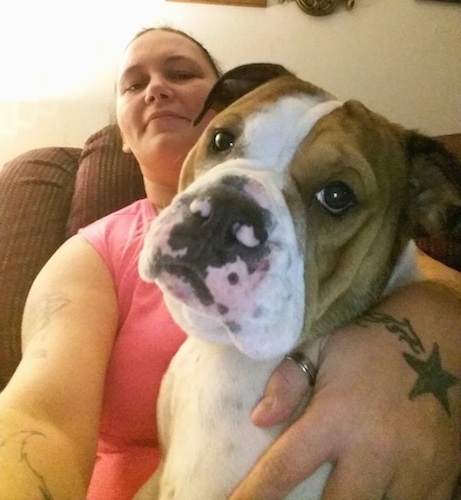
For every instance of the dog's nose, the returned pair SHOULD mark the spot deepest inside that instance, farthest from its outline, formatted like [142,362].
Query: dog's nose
[243,226]
[227,216]
[223,223]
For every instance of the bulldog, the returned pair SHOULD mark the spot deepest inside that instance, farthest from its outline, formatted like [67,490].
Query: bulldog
[296,213]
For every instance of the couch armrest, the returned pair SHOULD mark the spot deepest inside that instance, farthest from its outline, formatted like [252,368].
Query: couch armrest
[35,193]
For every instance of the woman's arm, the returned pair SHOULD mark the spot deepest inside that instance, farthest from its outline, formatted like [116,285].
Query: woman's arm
[386,406]
[49,412]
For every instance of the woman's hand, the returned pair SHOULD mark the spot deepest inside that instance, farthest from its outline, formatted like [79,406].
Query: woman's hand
[385,409]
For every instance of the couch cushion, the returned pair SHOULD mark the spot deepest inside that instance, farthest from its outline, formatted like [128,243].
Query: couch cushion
[107,179]
[35,194]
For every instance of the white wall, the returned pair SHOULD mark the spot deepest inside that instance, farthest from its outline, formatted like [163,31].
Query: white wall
[402,58]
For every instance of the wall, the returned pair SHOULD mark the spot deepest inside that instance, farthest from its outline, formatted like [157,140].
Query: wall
[402,58]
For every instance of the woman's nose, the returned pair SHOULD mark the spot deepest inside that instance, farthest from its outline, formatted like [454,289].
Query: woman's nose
[158,89]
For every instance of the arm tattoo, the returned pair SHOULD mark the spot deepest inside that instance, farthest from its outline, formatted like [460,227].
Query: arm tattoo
[16,446]
[402,329]
[432,378]
[49,304]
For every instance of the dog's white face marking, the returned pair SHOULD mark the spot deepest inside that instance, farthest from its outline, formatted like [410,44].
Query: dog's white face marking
[225,251]
[273,134]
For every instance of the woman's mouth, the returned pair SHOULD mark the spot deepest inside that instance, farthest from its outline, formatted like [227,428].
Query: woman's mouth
[165,116]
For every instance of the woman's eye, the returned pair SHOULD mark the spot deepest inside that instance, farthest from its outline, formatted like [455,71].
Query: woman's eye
[182,75]
[222,140]
[133,87]
[336,197]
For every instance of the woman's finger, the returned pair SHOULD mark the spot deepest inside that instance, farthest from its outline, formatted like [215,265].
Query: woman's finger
[295,455]
[284,393]
[287,388]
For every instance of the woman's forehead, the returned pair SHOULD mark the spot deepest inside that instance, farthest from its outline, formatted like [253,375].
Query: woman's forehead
[161,45]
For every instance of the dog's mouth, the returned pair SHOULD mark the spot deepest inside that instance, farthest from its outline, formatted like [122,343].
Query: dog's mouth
[223,292]
[181,279]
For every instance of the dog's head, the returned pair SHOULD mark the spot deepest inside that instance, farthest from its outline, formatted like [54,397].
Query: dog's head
[293,210]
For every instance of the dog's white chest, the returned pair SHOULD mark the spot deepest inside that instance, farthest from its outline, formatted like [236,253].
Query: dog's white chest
[207,397]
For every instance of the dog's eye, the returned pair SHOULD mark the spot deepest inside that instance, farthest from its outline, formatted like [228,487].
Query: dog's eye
[222,140]
[336,197]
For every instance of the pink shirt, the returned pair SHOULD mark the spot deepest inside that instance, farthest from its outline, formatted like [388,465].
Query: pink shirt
[147,339]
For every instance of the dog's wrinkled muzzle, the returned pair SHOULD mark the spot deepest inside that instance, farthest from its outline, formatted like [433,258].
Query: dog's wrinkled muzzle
[223,253]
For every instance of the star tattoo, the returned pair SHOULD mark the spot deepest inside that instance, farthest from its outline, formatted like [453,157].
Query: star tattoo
[432,378]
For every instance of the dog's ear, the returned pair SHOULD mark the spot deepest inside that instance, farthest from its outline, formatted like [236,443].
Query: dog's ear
[435,181]
[237,82]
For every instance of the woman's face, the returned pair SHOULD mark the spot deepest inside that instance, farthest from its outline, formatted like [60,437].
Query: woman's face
[162,84]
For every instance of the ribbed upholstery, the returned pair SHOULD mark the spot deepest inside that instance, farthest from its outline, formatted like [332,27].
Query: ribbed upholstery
[107,179]
[35,194]
[442,249]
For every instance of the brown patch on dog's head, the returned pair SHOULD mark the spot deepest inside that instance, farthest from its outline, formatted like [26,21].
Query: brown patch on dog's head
[404,184]
[435,183]
[432,198]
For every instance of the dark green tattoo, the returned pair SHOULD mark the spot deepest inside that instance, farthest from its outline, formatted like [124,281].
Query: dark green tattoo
[402,329]
[432,378]
[20,441]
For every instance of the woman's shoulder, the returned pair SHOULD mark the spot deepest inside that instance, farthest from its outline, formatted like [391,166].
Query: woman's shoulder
[118,237]
[127,223]
[137,211]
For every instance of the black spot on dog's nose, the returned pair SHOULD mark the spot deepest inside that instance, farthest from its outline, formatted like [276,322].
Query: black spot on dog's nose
[234,327]
[222,309]
[233,278]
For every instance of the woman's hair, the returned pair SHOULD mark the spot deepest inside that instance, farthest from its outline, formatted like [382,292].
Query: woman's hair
[211,60]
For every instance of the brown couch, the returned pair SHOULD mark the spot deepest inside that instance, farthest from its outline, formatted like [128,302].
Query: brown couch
[47,194]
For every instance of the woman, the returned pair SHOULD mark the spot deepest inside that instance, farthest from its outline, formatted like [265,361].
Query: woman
[98,341]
